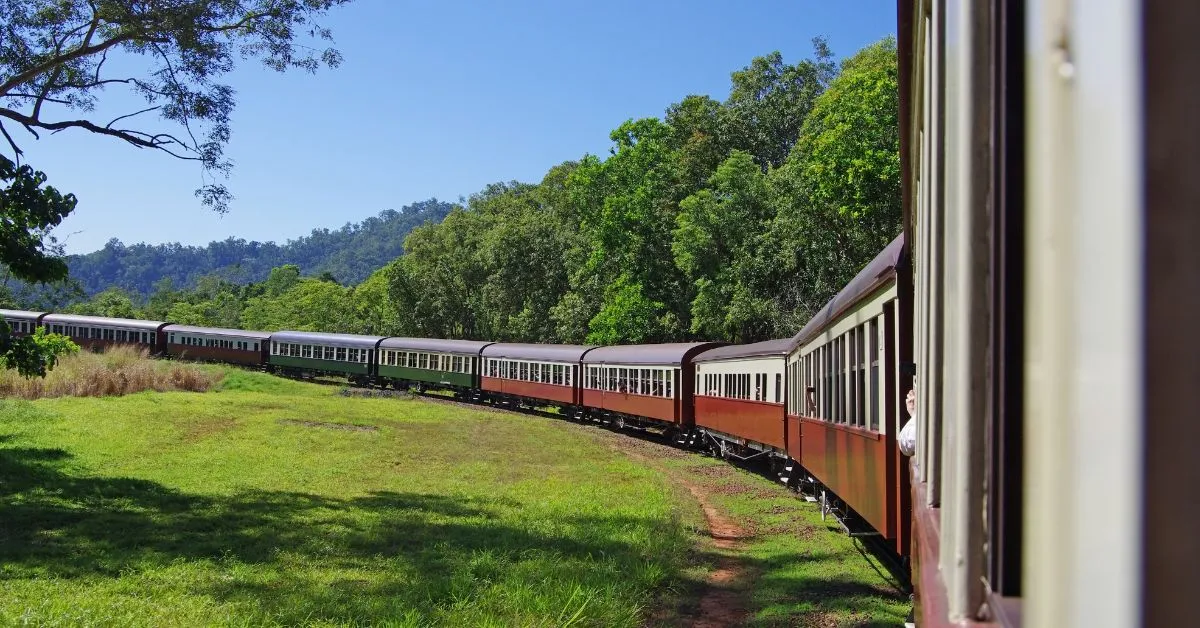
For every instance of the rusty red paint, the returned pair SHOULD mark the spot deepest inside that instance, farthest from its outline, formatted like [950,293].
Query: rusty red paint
[661,408]
[758,421]
[531,390]
[852,463]
[218,354]
[100,344]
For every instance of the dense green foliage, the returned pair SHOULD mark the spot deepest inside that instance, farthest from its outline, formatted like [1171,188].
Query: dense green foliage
[699,225]
[29,209]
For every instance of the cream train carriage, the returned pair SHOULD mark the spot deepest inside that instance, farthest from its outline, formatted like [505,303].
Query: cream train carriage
[1051,154]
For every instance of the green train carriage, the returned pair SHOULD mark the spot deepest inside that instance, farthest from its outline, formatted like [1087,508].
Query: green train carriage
[306,353]
[429,363]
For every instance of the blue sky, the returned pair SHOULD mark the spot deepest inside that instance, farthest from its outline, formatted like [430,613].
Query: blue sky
[434,99]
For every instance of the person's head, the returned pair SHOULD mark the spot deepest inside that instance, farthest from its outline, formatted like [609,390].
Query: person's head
[910,401]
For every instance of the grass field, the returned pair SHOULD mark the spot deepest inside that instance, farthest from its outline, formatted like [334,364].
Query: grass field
[271,502]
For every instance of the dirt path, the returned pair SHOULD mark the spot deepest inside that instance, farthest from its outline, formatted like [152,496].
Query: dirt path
[722,603]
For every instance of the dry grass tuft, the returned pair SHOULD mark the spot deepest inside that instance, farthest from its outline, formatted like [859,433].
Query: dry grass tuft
[117,371]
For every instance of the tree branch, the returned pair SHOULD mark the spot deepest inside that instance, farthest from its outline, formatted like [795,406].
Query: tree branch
[17,152]
[62,59]
[130,115]
[160,141]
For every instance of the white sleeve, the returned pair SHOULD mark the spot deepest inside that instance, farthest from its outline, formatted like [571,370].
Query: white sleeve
[907,439]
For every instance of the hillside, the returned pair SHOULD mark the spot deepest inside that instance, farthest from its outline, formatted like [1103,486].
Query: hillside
[349,254]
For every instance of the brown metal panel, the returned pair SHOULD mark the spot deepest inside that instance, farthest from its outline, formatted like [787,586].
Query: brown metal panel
[216,354]
[100,344]
[793,438]
[1171,564]
[531,390]
[758,421]
[852,463]
[661,408]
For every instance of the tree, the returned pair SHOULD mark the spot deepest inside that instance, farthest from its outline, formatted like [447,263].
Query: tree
[715,245]
[28,211]
[770,100]
[839,192]
[53,68]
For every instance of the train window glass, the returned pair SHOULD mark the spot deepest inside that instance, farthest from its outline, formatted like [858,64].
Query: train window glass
[423,360]
[352,355]
[670,388]
[852,377]
[546,373]
[256,345]
[306,351]
[778,388]
[339,354]
[524,370]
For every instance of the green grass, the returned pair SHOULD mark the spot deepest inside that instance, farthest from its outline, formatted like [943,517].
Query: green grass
[276,502]
[805,571]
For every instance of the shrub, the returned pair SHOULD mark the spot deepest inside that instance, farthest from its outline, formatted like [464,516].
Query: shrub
[117,371]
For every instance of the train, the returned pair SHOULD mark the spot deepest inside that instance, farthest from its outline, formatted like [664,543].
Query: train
[738,402]
[1031,305]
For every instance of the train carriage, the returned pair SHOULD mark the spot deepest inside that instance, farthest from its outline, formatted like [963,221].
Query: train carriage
[740,394]
[429,363]
[95,333]
[21,322]
[317,353]
[638,382]
[1049,151]
[540,372]
[215,344]
[846,374]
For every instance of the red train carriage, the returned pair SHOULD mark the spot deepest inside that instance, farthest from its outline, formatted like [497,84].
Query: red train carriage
[533,371]
[848,399]
[235,346]
[637,382]
[95,333]
[740,395]
[21,322]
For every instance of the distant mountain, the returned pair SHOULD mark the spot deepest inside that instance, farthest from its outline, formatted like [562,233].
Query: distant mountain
[350,254]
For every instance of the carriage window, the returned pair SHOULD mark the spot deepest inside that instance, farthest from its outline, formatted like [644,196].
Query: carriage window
[306,351]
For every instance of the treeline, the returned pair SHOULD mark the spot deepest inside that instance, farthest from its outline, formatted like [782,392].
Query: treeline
[350,254]
[731,220]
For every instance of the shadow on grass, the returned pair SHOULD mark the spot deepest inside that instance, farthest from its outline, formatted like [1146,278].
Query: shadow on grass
[297,558]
